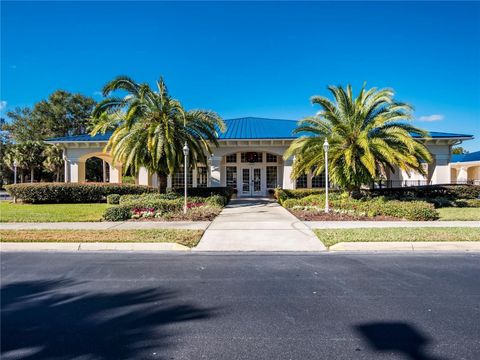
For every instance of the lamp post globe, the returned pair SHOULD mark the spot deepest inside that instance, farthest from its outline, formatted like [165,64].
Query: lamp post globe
[186,150]
[326,146]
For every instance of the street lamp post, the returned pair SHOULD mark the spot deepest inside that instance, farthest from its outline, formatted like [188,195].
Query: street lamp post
[15,164]
[186,150]
[325,148]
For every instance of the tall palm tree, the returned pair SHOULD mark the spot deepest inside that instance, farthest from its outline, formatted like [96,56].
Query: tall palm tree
[368,135]
[151,128]
[53,160]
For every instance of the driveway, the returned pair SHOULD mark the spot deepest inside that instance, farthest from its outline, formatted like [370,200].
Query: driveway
[258,225]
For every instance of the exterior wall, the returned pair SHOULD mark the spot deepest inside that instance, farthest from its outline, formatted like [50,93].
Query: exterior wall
[440,171]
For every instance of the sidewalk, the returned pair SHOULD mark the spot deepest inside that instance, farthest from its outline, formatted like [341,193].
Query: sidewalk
[107,225]
[388,224]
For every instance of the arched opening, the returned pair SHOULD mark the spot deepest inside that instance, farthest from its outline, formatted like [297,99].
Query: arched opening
[97,170]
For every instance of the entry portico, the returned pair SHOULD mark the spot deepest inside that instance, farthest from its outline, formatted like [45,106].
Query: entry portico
[250,159]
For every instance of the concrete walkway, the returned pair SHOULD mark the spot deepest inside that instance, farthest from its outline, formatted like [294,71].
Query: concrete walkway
[388,224]
[107,225]
[257,225]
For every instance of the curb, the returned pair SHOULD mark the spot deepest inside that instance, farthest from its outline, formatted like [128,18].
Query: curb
[89,246]
[462,246]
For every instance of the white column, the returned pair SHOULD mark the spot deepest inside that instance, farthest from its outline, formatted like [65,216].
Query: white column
[115,174]
[104,171]
[441,173]
[462,174]
[215,171]
[77,171]
[143,177]
[288,183]
[169,181]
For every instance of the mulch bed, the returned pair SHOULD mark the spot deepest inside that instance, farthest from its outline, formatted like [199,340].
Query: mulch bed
[309,216]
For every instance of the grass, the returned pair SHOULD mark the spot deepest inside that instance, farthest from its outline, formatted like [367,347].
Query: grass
[333,236]
[10,212]
[189,238]
[456,213]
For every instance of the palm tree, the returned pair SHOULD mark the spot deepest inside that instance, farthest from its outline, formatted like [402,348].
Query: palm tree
[151,128]
[368,135]
[53,162]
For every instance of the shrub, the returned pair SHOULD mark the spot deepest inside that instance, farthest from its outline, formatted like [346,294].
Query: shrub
[216,200]
[117,213]
[225,191]
[50,193]
[440,202]
[113,199]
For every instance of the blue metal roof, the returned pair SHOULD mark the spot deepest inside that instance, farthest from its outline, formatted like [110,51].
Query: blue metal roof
[83,137]
[475,156]
[249,128]
[259,128]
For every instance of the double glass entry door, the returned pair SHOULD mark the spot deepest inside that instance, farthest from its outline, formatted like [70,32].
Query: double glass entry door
[252,181]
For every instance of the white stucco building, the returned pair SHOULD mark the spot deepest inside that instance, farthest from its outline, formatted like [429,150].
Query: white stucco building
[250,159]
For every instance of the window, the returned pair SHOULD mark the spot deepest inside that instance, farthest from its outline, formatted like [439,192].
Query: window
[231,173]
[178,179]
[271,158]
[252,157]
[202,176]
[318,181]
[301,182]
[271,177]
[232,158]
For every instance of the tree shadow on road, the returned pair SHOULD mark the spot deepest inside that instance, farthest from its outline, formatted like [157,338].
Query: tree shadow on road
[51,319]
[398,337]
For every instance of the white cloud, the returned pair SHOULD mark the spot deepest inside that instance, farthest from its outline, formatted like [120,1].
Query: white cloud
[431,118]
[3,104]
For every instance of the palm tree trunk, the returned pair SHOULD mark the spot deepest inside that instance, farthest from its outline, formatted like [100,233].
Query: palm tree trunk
[162,182]
[58,175]
[22,177]
[32,173]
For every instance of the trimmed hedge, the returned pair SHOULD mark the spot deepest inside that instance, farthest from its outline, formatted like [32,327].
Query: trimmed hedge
[51,193]
[225,191]
[431,191]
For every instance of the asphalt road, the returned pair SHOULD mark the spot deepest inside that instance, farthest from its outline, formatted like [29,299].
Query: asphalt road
[196,306]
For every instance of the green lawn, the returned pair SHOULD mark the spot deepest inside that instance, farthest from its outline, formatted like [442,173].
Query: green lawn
[333,236]
[456,213]
[10,212]
[188,238]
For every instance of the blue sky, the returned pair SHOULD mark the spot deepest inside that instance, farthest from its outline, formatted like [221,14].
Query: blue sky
[251,59]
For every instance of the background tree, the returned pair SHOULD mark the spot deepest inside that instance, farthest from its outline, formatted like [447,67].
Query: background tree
[151,128]
[53,160]
[368,136]
[458,150]
[6,174]
[62,114]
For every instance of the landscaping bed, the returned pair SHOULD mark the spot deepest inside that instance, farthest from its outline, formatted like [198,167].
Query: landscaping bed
[309,204]
[189,238]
